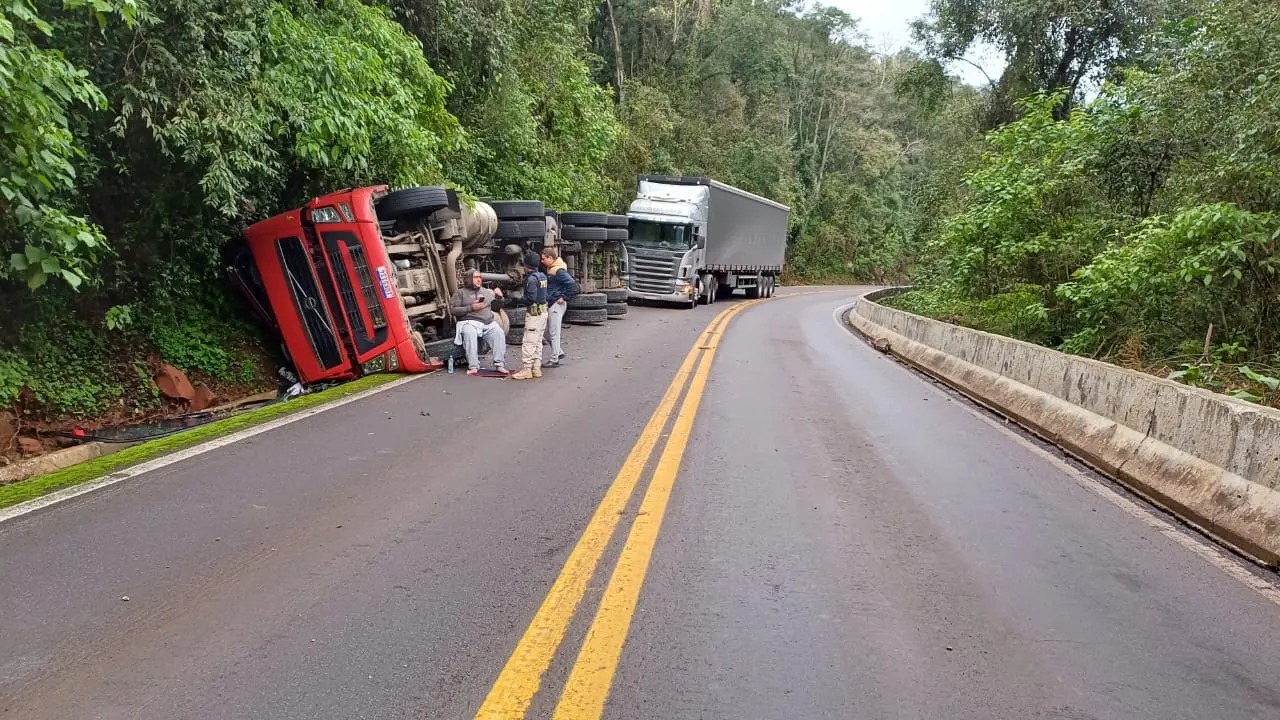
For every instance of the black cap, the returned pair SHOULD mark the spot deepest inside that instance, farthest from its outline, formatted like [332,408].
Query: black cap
[531,259]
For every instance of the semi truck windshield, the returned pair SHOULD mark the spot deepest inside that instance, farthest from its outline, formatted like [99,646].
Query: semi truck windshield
[667,236]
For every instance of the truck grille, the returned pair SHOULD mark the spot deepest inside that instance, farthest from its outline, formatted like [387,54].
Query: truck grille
[653,273]
[308,302]
[361,265]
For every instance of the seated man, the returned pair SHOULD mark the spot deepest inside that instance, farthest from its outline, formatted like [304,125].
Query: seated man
[472,308]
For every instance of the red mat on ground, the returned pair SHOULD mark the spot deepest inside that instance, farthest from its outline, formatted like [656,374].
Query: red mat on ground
[486,372]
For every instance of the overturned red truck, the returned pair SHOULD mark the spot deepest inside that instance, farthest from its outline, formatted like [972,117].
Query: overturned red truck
[359,281]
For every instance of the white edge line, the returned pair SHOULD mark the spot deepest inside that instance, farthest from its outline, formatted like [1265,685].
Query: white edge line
[1205,549]
[65,494]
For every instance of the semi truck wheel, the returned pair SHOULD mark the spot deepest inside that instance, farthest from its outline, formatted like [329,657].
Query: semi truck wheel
[445,349]
[518,209]
[615,311]
[616,234]
[516,316]
[579,316]
[617,221]
[710,288]
[589,234]
[585,219]
[521,229]
[588,301]
[412,202]
[615,295]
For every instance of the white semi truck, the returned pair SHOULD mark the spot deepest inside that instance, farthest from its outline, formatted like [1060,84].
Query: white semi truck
[692,240]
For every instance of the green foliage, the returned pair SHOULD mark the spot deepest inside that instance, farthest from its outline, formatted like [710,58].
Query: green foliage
[42,232]
[14,373]
[1019,312]
[1148,218]
[69,365]
[201,338]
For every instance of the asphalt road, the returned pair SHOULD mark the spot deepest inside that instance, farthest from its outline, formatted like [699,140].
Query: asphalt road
[839,539]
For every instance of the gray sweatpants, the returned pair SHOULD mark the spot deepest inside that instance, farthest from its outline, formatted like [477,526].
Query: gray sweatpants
[554,318]
[492,333]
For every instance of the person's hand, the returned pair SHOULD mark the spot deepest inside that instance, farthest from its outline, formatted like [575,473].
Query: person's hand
[497,292]
[560,301]
[478,305]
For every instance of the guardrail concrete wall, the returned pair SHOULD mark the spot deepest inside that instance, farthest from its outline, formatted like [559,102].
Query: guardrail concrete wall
[1211,459]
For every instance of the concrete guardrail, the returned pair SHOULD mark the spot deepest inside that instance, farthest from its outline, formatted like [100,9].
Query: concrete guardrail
[1211,459]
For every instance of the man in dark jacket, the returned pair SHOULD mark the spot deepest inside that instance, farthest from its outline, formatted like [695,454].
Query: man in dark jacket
[535,318]
[561,288]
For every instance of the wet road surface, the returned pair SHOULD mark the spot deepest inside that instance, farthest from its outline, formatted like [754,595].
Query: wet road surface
[818,532]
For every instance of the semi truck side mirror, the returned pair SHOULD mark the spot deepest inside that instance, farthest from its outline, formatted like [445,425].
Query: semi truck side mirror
[700,241]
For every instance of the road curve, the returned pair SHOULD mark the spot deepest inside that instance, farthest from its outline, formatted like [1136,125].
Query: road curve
[838,538]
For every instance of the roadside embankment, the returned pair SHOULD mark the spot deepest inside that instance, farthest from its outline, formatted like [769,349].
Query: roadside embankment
[1211,459]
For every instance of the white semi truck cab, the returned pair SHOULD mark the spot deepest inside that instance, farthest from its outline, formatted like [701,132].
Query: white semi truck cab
[694,240]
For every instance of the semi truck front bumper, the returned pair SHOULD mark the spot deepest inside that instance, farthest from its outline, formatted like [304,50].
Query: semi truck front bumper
[681,294]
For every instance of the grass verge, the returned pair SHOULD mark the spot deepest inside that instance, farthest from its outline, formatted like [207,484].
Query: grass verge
[40,485]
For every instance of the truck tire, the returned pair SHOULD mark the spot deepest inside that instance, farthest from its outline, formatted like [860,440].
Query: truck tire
[521,229]
[445,349]
[617,221]
[515,337]
[615,311]
[597,316]
[616,234]
[516,316]
[518,209]
[585,219]
[590,234]
[588,301]
[412,203]
[615,295]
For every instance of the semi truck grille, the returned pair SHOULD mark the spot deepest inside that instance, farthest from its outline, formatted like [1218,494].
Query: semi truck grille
[308,302]
[361,265]
[653,274]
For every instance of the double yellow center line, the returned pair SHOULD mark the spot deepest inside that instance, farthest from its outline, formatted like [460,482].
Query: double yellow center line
[592,674]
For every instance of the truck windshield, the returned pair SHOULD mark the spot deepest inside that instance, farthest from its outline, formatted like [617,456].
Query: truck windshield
[668,236]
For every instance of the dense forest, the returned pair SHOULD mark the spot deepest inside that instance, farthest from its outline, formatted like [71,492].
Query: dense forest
[1110,192]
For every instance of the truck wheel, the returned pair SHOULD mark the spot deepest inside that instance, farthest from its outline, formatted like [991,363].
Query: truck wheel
[585,219]
[615,311]
[617,221]
[588,301]
[516,315]
[589,234]
[615,295]
[412,203]
[578,316]
[521,229]
[518,209]
[758,290]
[616,234]
[445,349]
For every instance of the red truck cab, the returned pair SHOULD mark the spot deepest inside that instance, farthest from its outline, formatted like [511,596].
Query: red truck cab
[322,275]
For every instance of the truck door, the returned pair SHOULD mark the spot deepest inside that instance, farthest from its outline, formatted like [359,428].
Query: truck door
[357,265]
